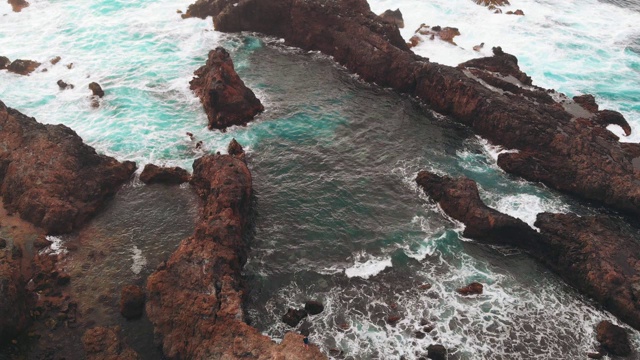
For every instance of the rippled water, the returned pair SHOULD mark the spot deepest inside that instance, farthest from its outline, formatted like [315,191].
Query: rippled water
[338,217]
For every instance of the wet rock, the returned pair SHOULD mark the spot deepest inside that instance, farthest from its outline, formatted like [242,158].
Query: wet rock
[96,89]
[69,66]
[493,3]
[313,307]
[446,34]
[393,319]
[50,177]
[132,300]
[235,149]
[41,242]
[609,117]
[424,286]
[478,47]
[224,96]
[153,174]
[55,60]
[474,288]
[13,311]
[419,335]
[393,17]
[63,85]
[294,316]
[102,343]
[4,62]
[437,352]
[517,12]
[18,5]
[613,338]
[23,67]
[501,63]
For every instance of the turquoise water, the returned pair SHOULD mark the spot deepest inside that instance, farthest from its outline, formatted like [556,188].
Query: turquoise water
[338,216]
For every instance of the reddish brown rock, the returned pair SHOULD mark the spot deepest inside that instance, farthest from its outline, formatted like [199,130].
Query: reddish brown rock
[132,300]
[445,34]
[13,310]
[393,17]
[492,2]
[50,177]
[294,316]
[613,338]
[437,352]
[474,288]
[556,147]
[23,67]
[102,343]
[195,301]
[4,62]
[55,60]
[18,5]
[225,98]
[153,174]
[517,12]
[236,150]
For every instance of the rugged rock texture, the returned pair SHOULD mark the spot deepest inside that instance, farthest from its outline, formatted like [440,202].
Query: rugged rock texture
[597,255]
[613,338]
[132,302]
[437,352]
[195,299]
[492,2]
[18,5]
[4,62]
[153,174]
[393,17]
[225,98]
[105,344]
[558,146]
[472,289]
[63,85]
[13,311]
[294,316]
[96,89]
[49,176]
[445,34]
[23,67]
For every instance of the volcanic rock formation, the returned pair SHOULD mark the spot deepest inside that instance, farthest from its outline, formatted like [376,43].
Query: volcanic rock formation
[225,98]
[102,343]
[598,255]
[153,174]
[562,148]
[23,67]
[445,34]
[195,299]
[393,17]
[49,176]
[613,338]
[18,5]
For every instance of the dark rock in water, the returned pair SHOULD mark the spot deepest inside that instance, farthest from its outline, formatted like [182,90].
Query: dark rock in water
[50,177]
[472,289]
[55,60]
[555,148]
[102,343]
[96,89]
[4,62]
[517,12]
[13,311]
[153,174]
[393,17]
[613,338]
[63,85]
[132,301]
[23,67]
[587,101]
[313,307]
[235,149]
[445,34]
[393,319]
[294,316]
[437,352]
[18,5]
[492,2]
[225,98]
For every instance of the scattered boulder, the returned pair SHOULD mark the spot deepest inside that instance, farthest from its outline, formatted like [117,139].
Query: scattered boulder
[437,352]
[102,343]
[294,316]
[446,34]
[50,177]
[613,338]
[313,307]
[132,301]
[224,96]
[478,47]
[23,67]
[393,319]
[501,63]
[153,174]
[4,62]
[517,12]
[393,17]
[96,89]
[18,5]
[494,3]
[63,85]
[55,60]
[235,149]
[474,288]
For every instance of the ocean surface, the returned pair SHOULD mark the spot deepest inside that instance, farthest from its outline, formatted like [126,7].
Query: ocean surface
[338,216]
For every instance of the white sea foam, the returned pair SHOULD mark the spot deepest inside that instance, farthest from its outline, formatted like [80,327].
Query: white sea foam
[56,247]
[139,261]
[366,266]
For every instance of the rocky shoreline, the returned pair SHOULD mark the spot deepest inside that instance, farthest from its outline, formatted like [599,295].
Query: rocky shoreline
[559,143]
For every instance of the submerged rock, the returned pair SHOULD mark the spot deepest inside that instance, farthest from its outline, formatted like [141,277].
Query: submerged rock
[63,85]
[613,338]
[294,316]
[474,288]
[18,5]
[393,17]
[55,60]
[101,343]
[132,300]
[445,34]
[153,174]
[313,307]
[225,98]
[517,12]
[23,67]
[4,62]
[437,352]
[50,177]
[492,2]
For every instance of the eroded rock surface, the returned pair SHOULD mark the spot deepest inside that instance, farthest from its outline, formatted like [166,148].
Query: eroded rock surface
[153,174]
[393,17]
[49,176]
[23,67]
[132,299]
[195,299]
[102,343]
[557,145]
[613,338]
[224,96]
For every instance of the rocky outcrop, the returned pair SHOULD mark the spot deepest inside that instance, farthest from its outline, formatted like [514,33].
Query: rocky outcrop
[556,146]
[23,67]
[132,301]
[445,34]
[437,352]
[102,343]
[598,255]
[153,174]
[13,310]
[18,5]
[474,288]
[225,98]
[50,177]
[195,299]
[393,17]
[63,85]
[613,338]
[517,12]
[96,89]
